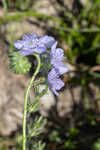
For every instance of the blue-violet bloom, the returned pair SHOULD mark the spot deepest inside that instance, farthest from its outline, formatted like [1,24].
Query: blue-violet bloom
[57,56]
[34,43]
[54,82]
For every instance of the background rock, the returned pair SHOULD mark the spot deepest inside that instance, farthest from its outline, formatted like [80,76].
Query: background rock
[12,89]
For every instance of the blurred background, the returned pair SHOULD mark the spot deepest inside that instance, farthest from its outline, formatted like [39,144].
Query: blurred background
[73,118]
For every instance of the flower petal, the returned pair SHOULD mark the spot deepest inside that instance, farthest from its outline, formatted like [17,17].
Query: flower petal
[61,68]
[57,54]
[19,44]
[54,46]
[52,74]
[55,85]
[26,37]
[54,82]
[27,52]
[34,36]
[40,50]
[47,40]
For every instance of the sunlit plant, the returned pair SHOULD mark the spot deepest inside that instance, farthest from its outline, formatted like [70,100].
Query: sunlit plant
[48,61]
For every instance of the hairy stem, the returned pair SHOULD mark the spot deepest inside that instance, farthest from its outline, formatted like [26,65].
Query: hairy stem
[26,99]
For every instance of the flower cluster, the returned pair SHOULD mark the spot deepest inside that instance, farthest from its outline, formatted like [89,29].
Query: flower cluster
[34,43]
[58,68]
[53,61]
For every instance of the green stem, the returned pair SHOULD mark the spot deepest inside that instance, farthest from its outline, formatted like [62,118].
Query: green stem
[26,99]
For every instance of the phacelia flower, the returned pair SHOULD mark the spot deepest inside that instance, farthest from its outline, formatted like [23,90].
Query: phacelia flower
[57,69]
[34,43]
[54,82]
[52,66]
[57,56]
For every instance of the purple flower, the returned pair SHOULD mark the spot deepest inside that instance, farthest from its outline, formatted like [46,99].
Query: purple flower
[48,41]
[34,43]
[54,82]
[51,57]
[61,68]
[57,56]
[58,68]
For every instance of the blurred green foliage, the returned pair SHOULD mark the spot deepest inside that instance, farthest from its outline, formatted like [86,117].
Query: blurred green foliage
[84,37]
[54,136]
[17,4]
[96,145]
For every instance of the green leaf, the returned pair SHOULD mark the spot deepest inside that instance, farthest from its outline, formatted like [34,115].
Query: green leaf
[34,107]
[96,145]
[95,74]
[39,93]
[19,63]
[37,128]
[39,146]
